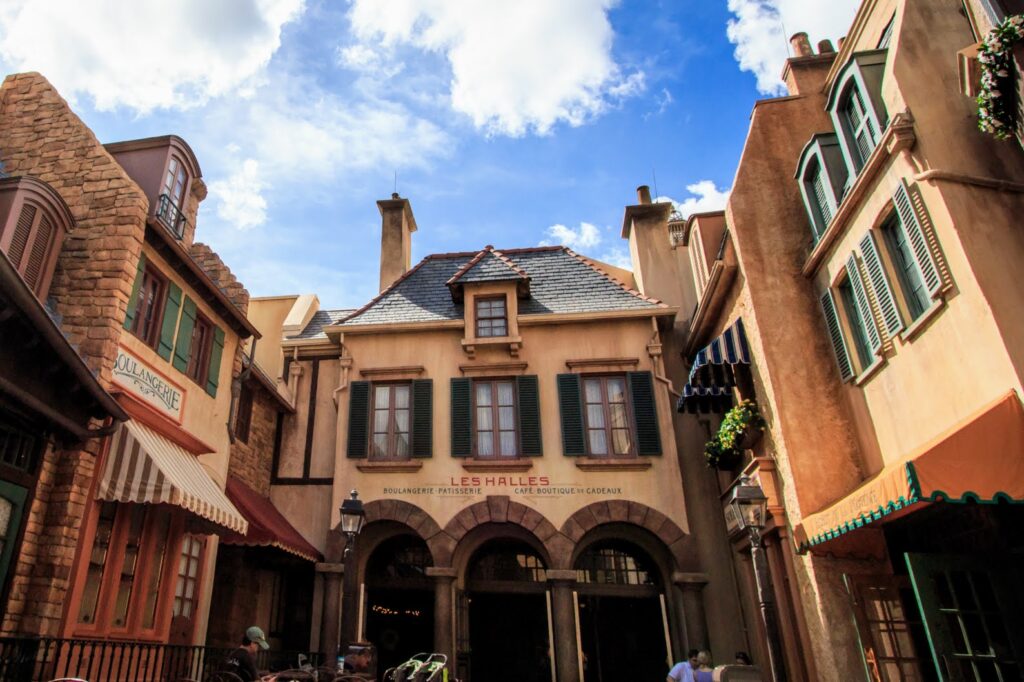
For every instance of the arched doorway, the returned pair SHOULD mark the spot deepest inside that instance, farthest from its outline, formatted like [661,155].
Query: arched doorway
[503,616]
[622,618]
[399,600]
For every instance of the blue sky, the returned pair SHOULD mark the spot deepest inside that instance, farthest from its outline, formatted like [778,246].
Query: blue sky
[506,123]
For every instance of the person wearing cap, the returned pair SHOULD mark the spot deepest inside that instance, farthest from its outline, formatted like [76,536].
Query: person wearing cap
[242,660]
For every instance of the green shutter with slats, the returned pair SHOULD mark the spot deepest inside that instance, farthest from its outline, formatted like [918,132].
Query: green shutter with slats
[835,333]
[170,322]
[133,300]
[358,419]
[891,319]
[528,396]
[570,406]
[645,413]
[863,305]
[462,417]
[213,369]
[918,240]
[423,418]
[183,346]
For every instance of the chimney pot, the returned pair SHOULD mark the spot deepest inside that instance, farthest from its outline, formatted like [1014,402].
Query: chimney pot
[801,45]
[394,195]
[825,47]
[643,194]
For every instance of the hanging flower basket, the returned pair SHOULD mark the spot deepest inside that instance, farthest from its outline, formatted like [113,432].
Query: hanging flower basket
[997,101]
[741,429]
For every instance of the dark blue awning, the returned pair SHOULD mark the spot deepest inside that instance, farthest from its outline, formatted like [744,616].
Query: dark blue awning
[713,375]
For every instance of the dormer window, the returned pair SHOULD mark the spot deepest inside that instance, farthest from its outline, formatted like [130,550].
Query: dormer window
[822,175]
[855,104]
[491,317]
[172,197]
[33,222]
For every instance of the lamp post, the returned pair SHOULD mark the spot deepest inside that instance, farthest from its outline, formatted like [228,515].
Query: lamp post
[749,507]
[352,518]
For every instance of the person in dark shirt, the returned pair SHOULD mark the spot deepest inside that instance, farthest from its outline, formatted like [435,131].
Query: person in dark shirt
[242,661]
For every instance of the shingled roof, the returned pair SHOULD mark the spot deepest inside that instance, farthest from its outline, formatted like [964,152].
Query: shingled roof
[322,318]
[561,281]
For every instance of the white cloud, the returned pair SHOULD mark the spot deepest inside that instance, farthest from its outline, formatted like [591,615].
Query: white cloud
[144,54]
[619,257]
[760,30]
[584,237]
[240,200]
[364,59]
[516,67]
[705,197]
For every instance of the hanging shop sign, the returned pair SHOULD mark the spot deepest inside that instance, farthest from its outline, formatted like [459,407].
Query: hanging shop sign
[133,374]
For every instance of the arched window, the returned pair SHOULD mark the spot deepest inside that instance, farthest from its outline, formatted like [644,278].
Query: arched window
[171,209]
[616,563]
[822,175]
[857,109]
[400,558]
[32,231]
[858,125]
[508,561]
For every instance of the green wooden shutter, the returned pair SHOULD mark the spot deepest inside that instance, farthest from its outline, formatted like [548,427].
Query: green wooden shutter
[462,417]
[213,370]
[528,395]
[645,413]
[918,241]
[15,496]
[133,300]
[570,405]
[423,418]
[863,305]
[358,419]
[170,322]
[891,319]
[183,346]
[835,332]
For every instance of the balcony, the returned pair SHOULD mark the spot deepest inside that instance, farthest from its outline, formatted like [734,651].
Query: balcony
[171,216]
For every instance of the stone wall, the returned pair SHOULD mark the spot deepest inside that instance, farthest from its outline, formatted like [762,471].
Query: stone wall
[251,462]
[41,136]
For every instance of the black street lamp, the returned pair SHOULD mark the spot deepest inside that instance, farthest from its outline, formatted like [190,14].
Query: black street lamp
[352,518]
[749,509]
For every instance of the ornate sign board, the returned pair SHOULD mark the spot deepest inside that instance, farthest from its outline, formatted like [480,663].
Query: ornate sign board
[527,486]
[133,374]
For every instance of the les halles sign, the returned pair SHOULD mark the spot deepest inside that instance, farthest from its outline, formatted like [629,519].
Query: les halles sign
[142,380]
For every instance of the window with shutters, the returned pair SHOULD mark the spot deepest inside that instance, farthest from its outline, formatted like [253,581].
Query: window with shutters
[31,243]
[392,412]
[858,125]
[491,316]
[606,416]
[243,420]
[495,425]
[149,307]
[857,323]
[820,208]
[913,293]
[857,109]
[201,347]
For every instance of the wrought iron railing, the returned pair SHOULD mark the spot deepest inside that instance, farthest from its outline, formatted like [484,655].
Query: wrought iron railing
[31,659]
[168,213]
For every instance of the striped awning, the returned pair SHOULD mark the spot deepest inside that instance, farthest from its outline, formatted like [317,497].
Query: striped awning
[144,467]
[713,374]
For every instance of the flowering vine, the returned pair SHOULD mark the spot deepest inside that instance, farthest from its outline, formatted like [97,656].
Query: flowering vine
[997,113]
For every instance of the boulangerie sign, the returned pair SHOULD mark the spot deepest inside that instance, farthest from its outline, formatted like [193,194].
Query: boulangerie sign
[154,388]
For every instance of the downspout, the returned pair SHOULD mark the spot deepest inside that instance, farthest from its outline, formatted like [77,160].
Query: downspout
[344,368]
[654,351]
[236,389]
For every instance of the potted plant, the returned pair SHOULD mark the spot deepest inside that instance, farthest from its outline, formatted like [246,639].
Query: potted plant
[718,456]
[742,427]
[997,105]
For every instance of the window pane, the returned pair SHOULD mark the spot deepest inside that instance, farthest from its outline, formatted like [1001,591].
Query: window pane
[508,443]
[619,419]
[160,529]
[595,416]
[483,394]
[506,418]
[380,444]
[506,396]
[485,443]
[616,390]
[402,445]
[402,421]
[621,441]
[129,565]
[484,308]
[483,419]
[380,421]
[598,442]
[97,562]
[401,397]
[498,306]
[498,328]
[592,389]
[382,396]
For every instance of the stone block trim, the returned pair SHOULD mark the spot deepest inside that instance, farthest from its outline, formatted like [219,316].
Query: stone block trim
[500,509]
[221,274]
[415,519]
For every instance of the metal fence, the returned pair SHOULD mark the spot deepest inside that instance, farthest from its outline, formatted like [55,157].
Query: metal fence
[42,659]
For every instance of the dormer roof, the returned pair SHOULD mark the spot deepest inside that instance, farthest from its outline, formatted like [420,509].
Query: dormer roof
[489,265]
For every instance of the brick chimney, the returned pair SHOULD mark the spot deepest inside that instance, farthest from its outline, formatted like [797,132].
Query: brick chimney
[801,45]
[805,71]
[645,225]
[397,226]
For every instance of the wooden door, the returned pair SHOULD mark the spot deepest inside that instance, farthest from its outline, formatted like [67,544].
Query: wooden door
[973,613]
[186,589]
